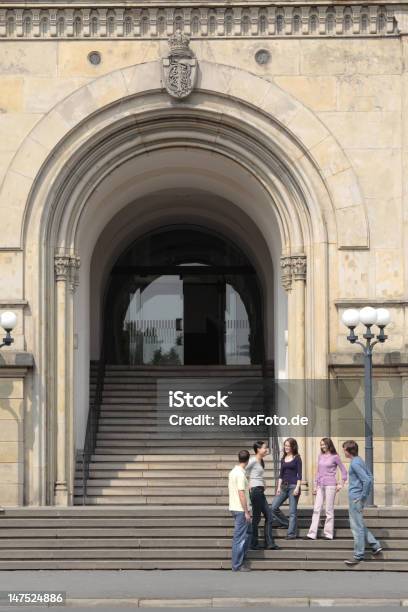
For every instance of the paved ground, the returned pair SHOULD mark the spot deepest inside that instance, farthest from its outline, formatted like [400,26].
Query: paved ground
[207,583]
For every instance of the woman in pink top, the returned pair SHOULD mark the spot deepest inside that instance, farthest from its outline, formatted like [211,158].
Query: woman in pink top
[326,487]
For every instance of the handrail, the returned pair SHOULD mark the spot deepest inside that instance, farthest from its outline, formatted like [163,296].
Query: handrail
[268,401]
[92,426]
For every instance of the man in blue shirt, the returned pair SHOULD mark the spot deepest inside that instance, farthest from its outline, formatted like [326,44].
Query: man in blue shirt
[360,483]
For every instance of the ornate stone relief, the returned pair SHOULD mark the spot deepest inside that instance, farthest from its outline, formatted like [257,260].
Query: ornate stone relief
[66,269]
[179,67]
[292,268]
[94,22]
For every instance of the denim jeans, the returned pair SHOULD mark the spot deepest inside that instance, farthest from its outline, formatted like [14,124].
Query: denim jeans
[277,514]
[360,532]
[260,506]
[241,539]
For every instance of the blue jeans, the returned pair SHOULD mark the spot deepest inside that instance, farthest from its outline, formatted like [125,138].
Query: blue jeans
[260,506]
[360,532]
[277,514]
[241,539]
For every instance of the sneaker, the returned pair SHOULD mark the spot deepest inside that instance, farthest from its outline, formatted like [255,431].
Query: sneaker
[272,547]
[352,561]
[244,568]
[291,537]
[377,551]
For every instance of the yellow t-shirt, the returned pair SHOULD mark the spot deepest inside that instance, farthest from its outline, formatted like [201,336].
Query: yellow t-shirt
[237,481]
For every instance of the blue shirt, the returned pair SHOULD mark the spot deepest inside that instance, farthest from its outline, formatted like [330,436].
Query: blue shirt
[360,479]
[291,471]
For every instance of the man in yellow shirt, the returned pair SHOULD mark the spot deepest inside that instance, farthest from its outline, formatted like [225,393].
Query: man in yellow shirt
[239,507]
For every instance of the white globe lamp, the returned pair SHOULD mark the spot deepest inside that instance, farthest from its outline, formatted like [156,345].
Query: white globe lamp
[8,320]
[383,317]
[350,317]
[368,316]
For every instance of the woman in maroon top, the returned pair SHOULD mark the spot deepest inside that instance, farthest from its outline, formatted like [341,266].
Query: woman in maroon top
[290,477]
[326,487]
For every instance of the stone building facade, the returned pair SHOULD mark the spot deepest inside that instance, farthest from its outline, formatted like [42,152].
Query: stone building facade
[293,142]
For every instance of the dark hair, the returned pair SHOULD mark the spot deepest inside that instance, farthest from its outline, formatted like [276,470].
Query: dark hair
[293,447]
[351,446]
[257,446]
[330,446]
[243,456]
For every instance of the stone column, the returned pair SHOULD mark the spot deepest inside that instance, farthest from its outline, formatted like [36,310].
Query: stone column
[294,282]
[66,266]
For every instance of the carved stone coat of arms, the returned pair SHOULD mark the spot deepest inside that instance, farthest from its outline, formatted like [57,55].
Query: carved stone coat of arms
[179,67]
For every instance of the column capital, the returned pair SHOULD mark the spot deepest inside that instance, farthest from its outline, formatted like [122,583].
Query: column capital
[61,266]
[286,272]
[66,266]
[293,268]
[299,267]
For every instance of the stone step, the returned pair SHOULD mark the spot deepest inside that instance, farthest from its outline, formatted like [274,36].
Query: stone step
[210,523]
[378,513]
[138,500]
[123,564]
[187,553]
[135,403]
[187,475]
[122,442]
[186,483]
[132,432]
[131,489]
[338,545]
[175,511]
[153,530]
[176,458]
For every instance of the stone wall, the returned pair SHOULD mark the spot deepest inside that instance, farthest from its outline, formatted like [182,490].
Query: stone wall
[356,85]
[12,439]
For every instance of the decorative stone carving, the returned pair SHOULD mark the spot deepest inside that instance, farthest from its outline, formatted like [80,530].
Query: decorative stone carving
[74,276]
[293,268]
[286,267]
[66,269]
[299,267]
[62,265]
[207,22]
[179,67]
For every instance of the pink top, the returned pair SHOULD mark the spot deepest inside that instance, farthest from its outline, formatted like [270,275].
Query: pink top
[327,465]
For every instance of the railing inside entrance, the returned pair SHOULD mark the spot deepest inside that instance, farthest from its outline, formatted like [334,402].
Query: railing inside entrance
[92,426]
[160,341]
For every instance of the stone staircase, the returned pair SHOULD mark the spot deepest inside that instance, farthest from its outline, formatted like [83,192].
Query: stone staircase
[140,459]
[158,500]
[179,537]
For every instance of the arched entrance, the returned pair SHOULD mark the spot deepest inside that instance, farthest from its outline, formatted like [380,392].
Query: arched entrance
[183,295]
[262,151]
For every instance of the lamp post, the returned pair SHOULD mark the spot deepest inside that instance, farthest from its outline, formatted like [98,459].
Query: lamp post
[8,322]
[368,316]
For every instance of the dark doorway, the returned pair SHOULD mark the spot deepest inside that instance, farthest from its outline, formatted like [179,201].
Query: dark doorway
[183,296]
[203,322]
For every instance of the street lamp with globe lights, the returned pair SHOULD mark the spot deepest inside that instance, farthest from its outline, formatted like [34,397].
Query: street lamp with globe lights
[368,316]
[8,321]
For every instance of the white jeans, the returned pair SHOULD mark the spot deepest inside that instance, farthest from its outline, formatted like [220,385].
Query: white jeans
[324,493]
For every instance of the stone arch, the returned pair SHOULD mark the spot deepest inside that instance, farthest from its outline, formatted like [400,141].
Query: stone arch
[275,142]
[312,143]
